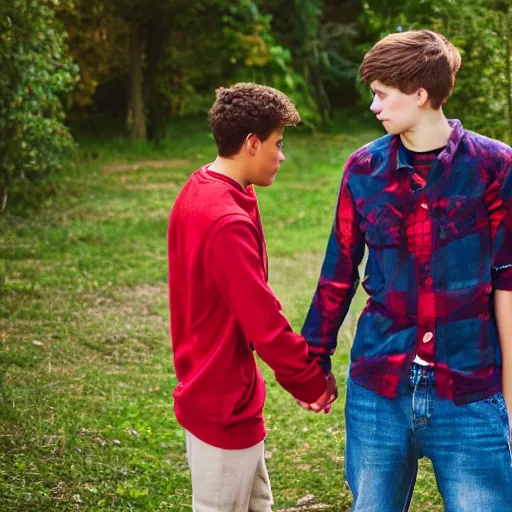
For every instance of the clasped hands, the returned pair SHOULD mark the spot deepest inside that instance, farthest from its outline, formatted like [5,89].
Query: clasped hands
[326,399]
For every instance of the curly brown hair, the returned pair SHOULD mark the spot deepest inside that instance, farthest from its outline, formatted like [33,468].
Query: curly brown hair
[248,108]
[412,60]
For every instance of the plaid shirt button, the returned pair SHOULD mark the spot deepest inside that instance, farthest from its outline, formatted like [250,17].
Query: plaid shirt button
[428,336]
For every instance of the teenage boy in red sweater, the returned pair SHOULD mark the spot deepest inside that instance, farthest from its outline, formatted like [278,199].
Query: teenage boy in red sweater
[222,307]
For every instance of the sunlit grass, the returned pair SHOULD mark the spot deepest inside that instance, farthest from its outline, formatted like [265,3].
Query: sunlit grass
[86,374]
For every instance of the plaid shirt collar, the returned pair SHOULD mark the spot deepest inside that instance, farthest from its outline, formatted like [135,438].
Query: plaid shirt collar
[398,154]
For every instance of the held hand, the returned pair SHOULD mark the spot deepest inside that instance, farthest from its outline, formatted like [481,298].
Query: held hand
[325,400]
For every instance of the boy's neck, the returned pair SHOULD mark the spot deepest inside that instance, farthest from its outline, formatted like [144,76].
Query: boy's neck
[431,132]
[230,167]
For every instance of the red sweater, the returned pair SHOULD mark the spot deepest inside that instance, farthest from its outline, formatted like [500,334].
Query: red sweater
[221,306]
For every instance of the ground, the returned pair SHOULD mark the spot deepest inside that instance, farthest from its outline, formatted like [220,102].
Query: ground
[86,374]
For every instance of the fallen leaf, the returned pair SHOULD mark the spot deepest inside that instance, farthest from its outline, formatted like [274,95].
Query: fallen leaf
[306,500]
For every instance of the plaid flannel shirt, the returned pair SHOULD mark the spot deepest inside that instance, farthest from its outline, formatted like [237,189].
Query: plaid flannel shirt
[435,254]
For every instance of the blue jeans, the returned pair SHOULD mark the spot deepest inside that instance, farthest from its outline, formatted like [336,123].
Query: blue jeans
[469,447]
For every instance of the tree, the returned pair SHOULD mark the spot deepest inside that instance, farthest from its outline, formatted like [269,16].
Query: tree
[36,75]
[169,55]
[321,38]
[149,23]
[98,42]
[251,52]
[181,50]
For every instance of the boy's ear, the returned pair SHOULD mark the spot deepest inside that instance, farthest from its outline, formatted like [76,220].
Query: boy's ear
[252,143]
[421,97]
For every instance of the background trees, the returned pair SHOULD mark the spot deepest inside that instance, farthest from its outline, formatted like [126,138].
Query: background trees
[138,65]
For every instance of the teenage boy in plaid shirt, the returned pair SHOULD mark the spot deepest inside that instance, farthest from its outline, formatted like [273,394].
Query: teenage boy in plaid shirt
[431,364]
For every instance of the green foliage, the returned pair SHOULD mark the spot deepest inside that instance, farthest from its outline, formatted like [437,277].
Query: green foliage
[190,67]
[321,38]
[480,31]
[236,44]
[36,74]
[187,49]
[264,60]
[97,42]
[325,53]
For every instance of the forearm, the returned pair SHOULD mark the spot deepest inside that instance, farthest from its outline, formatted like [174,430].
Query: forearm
[328,309]
[287,356]
[503,308]
[237,273]
[338,281]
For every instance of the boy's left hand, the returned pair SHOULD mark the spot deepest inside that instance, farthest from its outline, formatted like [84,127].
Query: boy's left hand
[327,398]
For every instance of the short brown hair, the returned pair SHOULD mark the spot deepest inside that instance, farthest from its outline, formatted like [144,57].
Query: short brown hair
[412,60]
[248,108]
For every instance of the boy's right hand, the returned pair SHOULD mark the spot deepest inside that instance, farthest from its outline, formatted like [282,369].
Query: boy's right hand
[325,400]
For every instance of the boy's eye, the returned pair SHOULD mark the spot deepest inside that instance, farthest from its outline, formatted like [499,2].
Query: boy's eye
[280,144]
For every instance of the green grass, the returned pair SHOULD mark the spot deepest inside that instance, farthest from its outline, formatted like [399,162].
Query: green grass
[86,374]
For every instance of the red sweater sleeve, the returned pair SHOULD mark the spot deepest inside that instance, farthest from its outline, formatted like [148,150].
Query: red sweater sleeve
[235,265]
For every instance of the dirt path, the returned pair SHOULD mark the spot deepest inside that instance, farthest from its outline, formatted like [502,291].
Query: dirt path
[144,164]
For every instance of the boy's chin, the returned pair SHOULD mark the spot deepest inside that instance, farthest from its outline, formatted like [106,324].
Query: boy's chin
[265,181]
[390,129]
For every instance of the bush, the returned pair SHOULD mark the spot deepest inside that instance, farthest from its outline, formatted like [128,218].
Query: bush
[36,75]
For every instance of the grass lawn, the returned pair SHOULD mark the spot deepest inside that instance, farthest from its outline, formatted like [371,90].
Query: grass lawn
[86,375]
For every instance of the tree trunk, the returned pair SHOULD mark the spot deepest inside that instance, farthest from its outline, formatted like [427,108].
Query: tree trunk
[157,33]
[3,197]
[136,115]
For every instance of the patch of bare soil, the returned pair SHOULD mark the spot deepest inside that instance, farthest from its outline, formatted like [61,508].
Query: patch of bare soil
[142,164]
[132,303]
[153,186]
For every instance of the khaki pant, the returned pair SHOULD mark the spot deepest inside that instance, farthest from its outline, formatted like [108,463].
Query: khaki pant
[228,480]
